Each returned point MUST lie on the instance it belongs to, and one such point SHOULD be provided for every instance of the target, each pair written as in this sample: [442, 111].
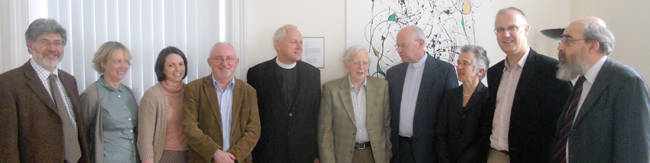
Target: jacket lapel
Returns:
[237, 98]
[526, 76]
[600, 83]
[72, 92]
[371, 97]
[399, 79]
[37, 86]
[303, 84]
[210, 90]
[478, 93]
[346, 98]
[426, 82]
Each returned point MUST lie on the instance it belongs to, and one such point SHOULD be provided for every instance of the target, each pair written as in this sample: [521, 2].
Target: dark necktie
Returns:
[559, 155]
[71, 143]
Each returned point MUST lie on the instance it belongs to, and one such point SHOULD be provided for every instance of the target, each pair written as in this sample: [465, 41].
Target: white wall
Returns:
[314, 18]
[629, 20]
[326, 18]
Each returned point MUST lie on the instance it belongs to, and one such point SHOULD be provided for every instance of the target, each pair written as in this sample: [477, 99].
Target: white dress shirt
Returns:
[505, 98]
[359, 104]
[410, 96]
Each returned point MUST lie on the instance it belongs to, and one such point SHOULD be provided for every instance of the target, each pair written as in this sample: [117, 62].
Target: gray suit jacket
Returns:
[613, 124]
[337, 125]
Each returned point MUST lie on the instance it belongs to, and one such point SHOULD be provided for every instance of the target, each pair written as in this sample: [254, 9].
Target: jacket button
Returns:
[290, 114]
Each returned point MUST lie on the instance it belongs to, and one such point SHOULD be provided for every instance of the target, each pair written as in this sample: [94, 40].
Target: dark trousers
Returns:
[406, 150]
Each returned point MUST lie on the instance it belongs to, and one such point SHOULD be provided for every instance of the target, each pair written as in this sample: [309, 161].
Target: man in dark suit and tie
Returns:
[416, 87]
[607, 117]
[525, 96]
[288, 94]
[40, 112]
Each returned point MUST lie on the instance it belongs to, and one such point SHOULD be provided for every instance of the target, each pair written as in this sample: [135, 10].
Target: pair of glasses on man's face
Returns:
[359, 63]
[227, 59]
[510, 29]
[56, 43]
[568, 40]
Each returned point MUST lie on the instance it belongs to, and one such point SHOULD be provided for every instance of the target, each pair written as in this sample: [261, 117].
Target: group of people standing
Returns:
[529, 113]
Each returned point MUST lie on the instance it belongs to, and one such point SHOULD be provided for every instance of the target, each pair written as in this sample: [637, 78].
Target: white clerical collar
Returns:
[591, 74]
[285, 66]
[421, 62]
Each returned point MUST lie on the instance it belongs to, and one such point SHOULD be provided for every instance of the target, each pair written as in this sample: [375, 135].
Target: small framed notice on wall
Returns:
[313, 51]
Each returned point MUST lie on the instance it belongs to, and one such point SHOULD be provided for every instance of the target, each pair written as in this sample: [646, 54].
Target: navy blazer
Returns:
[613, 124]
[288, 134]
[536, 106]
[464, 132]
[437, 77]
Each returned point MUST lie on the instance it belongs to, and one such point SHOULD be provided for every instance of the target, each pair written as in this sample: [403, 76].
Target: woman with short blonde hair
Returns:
[110, 109]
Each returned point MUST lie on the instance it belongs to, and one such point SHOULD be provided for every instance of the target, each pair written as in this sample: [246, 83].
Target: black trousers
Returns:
[406, 150]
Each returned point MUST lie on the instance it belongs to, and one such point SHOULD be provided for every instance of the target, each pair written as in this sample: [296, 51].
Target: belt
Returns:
[502, 151]
[406, 137]
[361, 145]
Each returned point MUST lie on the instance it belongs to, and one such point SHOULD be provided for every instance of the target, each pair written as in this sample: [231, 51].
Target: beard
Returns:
[567, 71]
[39, 57]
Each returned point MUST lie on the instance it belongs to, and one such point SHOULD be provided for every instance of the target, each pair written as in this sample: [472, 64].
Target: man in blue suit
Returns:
[607, 117]
[415, 90]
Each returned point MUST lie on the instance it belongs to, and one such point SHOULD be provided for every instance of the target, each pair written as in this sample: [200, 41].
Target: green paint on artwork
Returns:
[379, 69]
[463, 23]
[392, 17]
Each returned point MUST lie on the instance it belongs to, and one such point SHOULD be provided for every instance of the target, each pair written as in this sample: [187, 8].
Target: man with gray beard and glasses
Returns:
[606, 118]
[40, 111]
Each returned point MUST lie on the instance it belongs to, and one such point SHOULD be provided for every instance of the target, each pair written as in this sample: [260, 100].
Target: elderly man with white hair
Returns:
[354, 118]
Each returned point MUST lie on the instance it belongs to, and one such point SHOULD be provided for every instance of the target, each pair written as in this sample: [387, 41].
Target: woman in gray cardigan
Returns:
[109, 108]
[160, 117]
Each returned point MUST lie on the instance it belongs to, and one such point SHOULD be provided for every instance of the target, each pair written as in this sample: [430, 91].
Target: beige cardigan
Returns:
[152, 123]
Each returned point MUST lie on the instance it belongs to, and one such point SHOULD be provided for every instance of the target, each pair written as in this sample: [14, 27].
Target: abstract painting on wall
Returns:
[447, 24]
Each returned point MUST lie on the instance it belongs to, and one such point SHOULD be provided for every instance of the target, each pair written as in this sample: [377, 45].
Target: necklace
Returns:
[466, 94]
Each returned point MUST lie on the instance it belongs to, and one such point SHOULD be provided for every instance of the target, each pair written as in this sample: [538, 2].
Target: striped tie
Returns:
[560, 147]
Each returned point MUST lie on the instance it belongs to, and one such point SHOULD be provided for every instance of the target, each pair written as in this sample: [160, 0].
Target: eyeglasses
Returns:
[512, 28]
[227, 59]
[120, 62]
[48, 43]
[405, 45]
[568, 41]
[359, 63]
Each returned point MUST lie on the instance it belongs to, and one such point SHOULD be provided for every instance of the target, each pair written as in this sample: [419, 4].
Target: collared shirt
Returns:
[119, 119]
[44, 75]
[590, 77]
[225, 104]
[505, 97]
[359, 104]
[410, 96]
[285, 66]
